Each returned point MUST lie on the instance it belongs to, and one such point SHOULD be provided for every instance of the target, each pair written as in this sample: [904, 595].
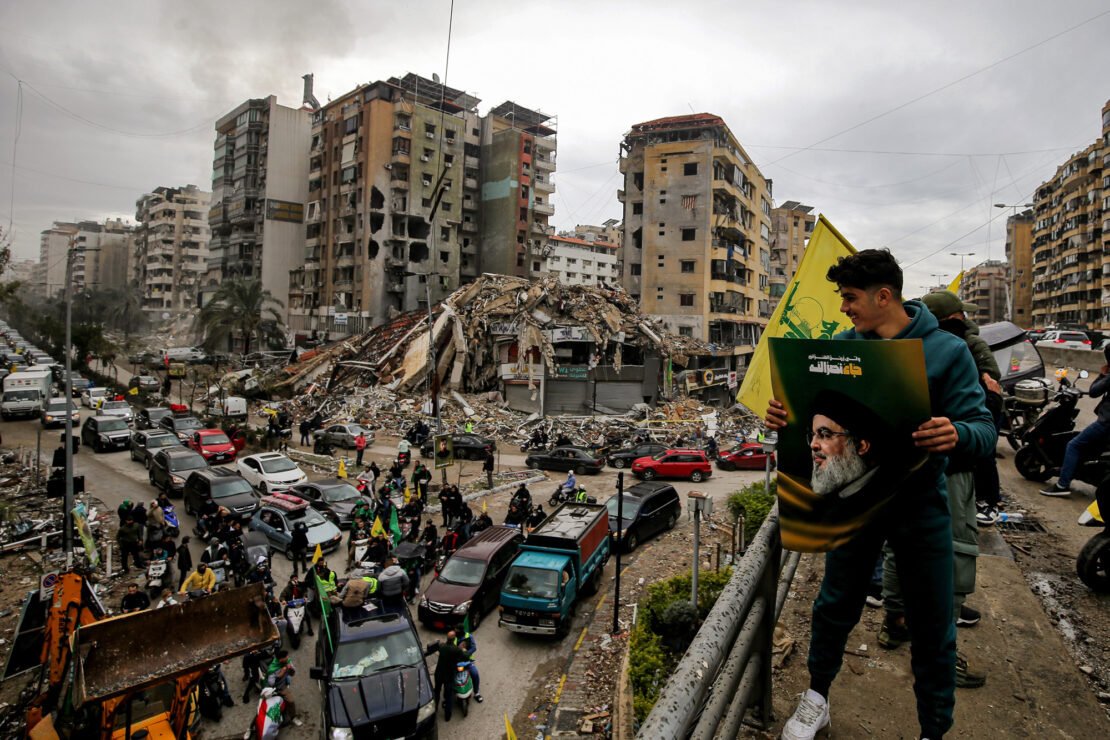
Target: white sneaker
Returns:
[811, 716]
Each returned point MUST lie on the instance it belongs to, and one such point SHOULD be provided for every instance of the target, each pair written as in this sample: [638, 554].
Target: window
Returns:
[535, 266]
[350, 126]
[571, 261]
[688, 265]
[689, 235]
[685, 331]
[637, 209]
[686, 299]
[690, 168]
[634, 269]
[429, 129]
[445, 233]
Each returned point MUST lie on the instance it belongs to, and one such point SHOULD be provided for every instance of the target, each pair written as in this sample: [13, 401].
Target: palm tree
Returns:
[239, 309]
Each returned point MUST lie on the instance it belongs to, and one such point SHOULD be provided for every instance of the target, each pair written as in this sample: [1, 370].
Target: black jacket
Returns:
[299, 539]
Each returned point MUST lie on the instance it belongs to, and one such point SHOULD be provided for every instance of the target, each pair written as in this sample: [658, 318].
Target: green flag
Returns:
[394, 526]
[325, 603]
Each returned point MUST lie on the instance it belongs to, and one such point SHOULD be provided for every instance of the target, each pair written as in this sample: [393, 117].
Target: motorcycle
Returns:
[562, 495]
[295, 621]
[155, 577]
[1093, 563]
[519, 512]
[464, 686]
[1042, 451]
[404, 458]
[172, 524]
[1020, 410]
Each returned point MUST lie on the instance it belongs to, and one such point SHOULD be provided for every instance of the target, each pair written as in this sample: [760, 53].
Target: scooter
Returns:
[562, 495]
[518, 513]
[1093, 563]
[464, 686]
[295, 621]
[1042, 450]
[155, 575]
[172, 525]
[404, 458]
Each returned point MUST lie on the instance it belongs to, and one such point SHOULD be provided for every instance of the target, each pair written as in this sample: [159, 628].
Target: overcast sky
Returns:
[121, 97]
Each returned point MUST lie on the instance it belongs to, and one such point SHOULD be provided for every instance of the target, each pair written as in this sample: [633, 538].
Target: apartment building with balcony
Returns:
[697, 230]
[791, 225]
[259, 191]
[575, 260]
[171, 247]
[518, 152]
[101, 256]
[1071, 274]
[986, 285]
[401, 204]
[50, 277]
[1019, 257]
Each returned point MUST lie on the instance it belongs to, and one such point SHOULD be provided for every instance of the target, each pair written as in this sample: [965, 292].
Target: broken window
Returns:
[444, 256]
[445, 233]
[535, 266]
[638, 180]
[685, 331]
[377, 200]
[689, 235]
[634, 268]
[688, 265]
[690, 168]
[637, 209]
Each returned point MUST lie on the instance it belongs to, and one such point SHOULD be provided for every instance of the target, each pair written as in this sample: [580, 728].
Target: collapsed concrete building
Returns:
[547, 347]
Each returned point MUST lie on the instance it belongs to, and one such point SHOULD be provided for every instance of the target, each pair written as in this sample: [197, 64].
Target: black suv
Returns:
[648, 508]
[182, 426]
[226, 487]
[104, 433]
[171, 466]
[145, 442]
[625, 457]
[151, 418]
[375, 682]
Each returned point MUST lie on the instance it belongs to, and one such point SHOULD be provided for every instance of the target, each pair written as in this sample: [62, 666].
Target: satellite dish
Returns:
[165, 315]
[435, 78]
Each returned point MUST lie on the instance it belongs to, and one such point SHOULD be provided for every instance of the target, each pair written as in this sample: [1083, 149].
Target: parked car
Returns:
[92, 397]
[278, 513]
[214, 445]
[343, 435]
[680, 463]
[748, 456]
[270, 471]
[647, 509]
[564, 458]
[120, 409]
[625, 457]
[54, 412]
[104, 433]
[169, 467]
[151, 418]
[467, 446]
[373, 677]
[146, 383]
[335, 497]
[470, 582]
[182, 426]
[226, 487]
[145, 442]
[1065, 339]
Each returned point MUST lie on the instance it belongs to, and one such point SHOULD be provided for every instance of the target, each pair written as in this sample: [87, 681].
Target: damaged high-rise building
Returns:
[411, 193]
[697, 230]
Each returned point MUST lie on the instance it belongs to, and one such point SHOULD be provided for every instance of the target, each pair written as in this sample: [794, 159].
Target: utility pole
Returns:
[67, 501]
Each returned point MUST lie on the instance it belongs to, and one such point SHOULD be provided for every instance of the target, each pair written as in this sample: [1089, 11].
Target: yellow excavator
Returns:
[135, 675]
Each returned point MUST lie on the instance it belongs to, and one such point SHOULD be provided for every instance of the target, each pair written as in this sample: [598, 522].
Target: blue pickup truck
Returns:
[561, 561]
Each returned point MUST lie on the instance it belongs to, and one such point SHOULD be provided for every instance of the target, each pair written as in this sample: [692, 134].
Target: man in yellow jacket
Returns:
[200, 579]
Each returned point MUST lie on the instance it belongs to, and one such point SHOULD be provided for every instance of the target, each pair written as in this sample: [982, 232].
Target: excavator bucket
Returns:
[121, 656]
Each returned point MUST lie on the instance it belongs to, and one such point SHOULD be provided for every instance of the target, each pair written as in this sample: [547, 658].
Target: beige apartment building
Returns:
[697, 230]
[1019, 256]
[171, 247]
[1071, 272]
[102, 254]
[791, 225]
[985, 285]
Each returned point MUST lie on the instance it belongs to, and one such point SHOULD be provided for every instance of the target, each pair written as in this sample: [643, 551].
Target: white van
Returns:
[182, 354]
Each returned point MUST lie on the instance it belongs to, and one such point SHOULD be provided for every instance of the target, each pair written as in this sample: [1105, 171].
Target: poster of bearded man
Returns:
[847, 448]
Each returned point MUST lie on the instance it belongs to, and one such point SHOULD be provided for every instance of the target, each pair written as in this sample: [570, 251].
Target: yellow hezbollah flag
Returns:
[810, 309]
[955, 284]
[342, 472]
[483, 506]
[317, 555]
[133, 392]
[377, 530]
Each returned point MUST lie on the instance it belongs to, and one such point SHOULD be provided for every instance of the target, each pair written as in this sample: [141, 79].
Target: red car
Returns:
[690, 464]
[214, 446]
[748, 456]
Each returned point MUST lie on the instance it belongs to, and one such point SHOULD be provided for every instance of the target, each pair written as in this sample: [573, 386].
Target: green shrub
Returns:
[754, 503]
[650, 661]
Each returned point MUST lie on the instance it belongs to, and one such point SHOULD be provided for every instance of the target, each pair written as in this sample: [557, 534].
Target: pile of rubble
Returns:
[467, 328]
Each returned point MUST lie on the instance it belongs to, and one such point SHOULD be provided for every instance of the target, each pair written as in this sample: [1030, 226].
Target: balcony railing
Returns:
[545, 208]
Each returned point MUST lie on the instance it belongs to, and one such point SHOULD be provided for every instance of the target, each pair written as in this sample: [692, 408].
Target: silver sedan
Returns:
[343, 435]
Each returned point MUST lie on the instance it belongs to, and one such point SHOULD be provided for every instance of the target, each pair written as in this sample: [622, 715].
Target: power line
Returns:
[112, 129]
[24, 168]
[907, 153]
[15, 150]
[934, 91]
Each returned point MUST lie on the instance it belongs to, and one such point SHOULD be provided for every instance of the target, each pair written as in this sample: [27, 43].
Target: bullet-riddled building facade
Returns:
[697, 230]
[171, 247]
[791, 225]
[1019, 257]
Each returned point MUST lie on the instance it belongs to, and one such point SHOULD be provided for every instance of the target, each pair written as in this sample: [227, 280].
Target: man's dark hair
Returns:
[871, 268]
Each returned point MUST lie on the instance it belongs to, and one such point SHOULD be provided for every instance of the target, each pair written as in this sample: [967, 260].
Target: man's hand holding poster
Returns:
[852, 407]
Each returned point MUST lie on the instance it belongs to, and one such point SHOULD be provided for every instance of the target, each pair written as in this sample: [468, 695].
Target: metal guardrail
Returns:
[729, 661]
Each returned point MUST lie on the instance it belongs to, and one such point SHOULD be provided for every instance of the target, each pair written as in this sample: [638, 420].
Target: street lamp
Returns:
[961, 255]
[431, 360]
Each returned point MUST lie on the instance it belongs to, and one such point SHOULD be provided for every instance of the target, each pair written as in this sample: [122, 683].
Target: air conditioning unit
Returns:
[429, 134]
[448, 164]
[424, 158]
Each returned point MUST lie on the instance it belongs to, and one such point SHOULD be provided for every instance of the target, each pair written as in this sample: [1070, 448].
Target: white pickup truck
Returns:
[24, 393]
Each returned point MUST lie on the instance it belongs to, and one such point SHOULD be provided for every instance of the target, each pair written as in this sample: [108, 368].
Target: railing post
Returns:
[770, 587]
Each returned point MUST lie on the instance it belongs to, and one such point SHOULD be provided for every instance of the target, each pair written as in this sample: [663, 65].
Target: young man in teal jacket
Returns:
[916, 522]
